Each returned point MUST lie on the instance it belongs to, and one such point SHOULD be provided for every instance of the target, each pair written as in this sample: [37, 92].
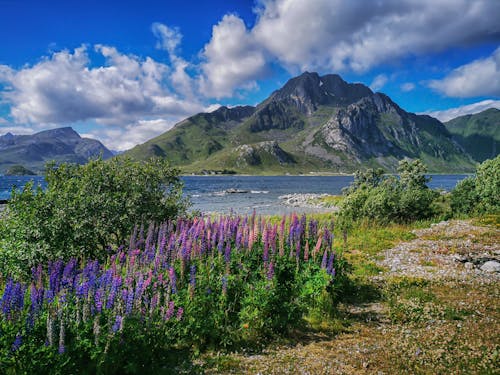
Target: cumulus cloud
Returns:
[64, 88]
[479, 78]
[356, 35]
[379, 82]
[328, 35]
[233, 59]
[407, 87]
[127, 136]
[451, 113]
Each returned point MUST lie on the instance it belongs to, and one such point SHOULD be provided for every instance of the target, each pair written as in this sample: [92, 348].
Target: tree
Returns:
[87, 208]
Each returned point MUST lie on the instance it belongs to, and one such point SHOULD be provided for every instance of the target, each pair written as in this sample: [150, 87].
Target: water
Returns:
[207, 193]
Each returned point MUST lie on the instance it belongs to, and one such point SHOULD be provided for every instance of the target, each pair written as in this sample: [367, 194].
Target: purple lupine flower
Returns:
[116, 284]
[227, 253]
[192, 277]
[99, 294]
[130, 302]
[329, 267]
[324, 260]
[173, 279]
[270, 271]
[68, 274]
[117, 326]
[7, 297]
[170, 310]
[18, 341]
[180, 312]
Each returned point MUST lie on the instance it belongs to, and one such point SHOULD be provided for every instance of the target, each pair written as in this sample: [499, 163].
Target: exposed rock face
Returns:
[254, 154]
[321, 122]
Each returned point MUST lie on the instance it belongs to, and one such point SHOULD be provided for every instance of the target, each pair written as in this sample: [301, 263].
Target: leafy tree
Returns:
[86, 208]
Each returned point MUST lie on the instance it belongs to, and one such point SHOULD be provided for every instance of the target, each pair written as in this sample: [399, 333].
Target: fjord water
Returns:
[208, 193]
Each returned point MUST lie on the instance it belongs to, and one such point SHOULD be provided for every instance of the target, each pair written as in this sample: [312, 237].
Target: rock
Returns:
[491, 266]
[469, 265]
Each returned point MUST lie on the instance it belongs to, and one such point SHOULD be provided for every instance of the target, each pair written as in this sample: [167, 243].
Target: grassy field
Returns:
[394, 322]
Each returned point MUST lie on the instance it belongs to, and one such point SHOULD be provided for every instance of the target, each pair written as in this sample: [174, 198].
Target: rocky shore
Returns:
[309, 200]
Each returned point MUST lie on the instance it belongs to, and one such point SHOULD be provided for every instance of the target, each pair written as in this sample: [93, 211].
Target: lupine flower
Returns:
[173, 279]
[117, 326]
[325, 257]
[270, 271]
[17, 343]
[170, 310]
[180, 312]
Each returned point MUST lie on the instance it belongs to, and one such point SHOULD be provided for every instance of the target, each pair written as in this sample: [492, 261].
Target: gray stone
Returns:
[491, 266]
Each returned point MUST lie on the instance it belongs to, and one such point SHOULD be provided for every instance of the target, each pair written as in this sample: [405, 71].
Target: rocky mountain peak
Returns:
[309, 90]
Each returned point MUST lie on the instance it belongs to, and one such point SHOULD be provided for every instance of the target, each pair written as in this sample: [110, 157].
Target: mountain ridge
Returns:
[324, 123]
[60, 144]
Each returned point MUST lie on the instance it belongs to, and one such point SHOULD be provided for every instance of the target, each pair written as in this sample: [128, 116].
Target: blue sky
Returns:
[126, 71]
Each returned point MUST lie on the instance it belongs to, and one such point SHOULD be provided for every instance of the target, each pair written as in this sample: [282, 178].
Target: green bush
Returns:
[479, 194]
[382, 198]
[84, 209]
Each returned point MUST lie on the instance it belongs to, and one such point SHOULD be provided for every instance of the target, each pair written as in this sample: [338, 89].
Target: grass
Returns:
[391, 325]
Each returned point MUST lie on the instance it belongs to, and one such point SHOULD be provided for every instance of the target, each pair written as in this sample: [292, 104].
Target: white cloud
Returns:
[448, 114]
[64, 88]
[122, 138]
[357, 35]
[233, 59]
[379, 82]
[479, 78]
[407, 87]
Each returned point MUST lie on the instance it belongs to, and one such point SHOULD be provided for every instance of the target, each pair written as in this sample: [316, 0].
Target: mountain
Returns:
[478, 134]
[313, 123]
[61, 145]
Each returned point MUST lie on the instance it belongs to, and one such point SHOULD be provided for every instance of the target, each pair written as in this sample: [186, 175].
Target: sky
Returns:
[126, 71]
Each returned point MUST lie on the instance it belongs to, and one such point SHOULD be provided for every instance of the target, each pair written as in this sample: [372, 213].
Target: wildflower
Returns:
[324, 260]
[17, 343]
[170, 310]
[173, 279]
[245, 325]
[117, 326]
[180, 312]
[270, 271]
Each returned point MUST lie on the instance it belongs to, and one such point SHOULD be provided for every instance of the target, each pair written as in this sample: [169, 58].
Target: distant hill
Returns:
[478, 134]
[313, 123]
[61, 145]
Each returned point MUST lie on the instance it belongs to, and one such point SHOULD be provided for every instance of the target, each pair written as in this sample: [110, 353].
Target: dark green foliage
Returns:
[19, 170]
[85, 209]
[479, 194]
[385, 199]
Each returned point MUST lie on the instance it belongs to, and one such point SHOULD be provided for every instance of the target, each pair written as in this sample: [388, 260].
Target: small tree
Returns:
[479, 194]
[386, 198]
[86, 208]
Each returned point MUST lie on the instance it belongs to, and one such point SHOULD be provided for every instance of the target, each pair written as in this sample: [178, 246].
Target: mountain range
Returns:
[313, 123]
[61, 145]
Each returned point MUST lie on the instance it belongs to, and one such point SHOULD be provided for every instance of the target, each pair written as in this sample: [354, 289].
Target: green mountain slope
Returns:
[478, 134]
[321, 123]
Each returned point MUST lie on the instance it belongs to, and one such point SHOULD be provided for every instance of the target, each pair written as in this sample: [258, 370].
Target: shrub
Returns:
[479, 194]
[85, 208]
[386, 198]
[188, 284]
